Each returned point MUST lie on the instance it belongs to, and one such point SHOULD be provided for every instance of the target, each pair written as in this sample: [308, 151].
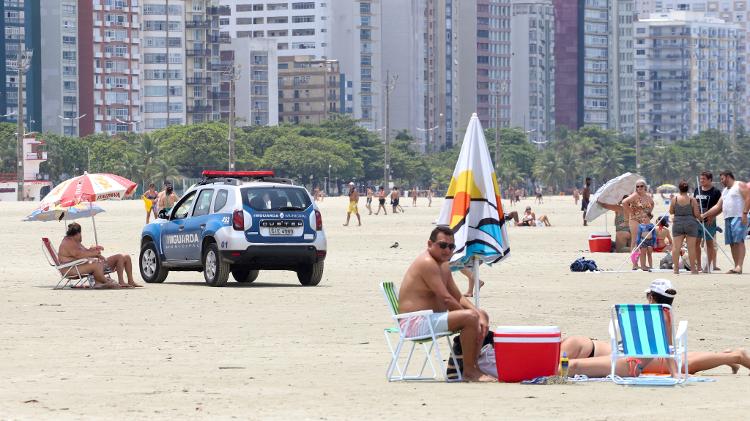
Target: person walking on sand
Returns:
[429, 197]
[708, 196]
[394, 200]
[576, 195]
[381, 201]
[353, 200]
[585, 202]
[429, 285]
[735, 204]
[413, 195]
[368, 202]
[150, 195]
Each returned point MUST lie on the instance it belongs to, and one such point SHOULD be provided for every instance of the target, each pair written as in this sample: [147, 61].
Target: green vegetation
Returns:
[353, 153]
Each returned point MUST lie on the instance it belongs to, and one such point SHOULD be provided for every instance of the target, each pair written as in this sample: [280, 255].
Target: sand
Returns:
[276, 350]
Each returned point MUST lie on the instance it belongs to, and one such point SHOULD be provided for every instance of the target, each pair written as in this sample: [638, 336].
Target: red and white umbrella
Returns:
[90, 188]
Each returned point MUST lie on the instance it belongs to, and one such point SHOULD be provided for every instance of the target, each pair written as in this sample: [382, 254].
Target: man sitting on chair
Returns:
[71, 248]
[428, 285]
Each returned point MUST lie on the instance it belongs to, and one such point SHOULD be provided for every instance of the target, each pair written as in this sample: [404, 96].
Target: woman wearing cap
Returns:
[593, 357]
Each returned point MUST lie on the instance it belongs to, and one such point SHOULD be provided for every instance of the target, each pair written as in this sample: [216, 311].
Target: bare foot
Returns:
[134, 285]
[478, 377]
[123, 285]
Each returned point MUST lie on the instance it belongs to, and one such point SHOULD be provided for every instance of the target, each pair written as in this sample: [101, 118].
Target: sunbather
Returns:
[593, 357]
[428, 285]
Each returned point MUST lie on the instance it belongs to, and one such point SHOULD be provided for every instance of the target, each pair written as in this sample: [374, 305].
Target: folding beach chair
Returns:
[647, 331]
[390, 292]
[68, 272]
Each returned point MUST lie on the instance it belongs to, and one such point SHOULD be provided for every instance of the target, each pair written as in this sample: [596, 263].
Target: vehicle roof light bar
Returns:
[236, 174]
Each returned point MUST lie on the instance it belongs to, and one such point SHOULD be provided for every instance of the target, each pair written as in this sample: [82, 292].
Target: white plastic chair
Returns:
[69, 273]
[428, 342]
[647, 331]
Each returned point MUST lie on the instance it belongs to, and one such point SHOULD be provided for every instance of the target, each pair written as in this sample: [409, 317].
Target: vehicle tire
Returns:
[215, 269]
[244, 274]
[310, 275]
[150, 265]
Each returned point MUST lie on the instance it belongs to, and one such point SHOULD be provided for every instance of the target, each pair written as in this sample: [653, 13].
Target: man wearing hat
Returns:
[353, 200]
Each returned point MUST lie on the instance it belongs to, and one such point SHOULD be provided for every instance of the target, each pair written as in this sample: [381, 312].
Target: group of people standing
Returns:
[694, 223]
[158, 201]
[395, 201]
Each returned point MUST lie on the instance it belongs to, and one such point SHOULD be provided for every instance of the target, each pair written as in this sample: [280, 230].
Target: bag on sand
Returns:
[486, 360]
[450, 371]
[666, 261]
[583, 265]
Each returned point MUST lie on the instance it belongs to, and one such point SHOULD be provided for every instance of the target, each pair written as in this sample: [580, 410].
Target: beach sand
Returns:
[275, 350]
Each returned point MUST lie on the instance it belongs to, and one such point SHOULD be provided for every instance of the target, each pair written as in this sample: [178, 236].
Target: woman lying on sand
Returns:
[593, 358]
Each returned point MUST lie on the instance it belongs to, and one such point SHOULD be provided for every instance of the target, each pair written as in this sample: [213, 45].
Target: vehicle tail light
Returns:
[318, 221]
[238, 220]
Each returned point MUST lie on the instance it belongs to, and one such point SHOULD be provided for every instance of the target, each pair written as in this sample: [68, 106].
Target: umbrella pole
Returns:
[93, 222]
[475, 275]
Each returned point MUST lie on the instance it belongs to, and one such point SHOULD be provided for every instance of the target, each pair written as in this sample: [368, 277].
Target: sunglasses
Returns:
[443, 245]
[640, 187]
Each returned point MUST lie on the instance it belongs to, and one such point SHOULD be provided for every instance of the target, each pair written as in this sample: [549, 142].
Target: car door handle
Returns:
[182, 227]
[203, 226]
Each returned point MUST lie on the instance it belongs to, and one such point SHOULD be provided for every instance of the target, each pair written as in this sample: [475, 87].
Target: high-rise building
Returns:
[494, 62]
[59, 67]
[688, 69]
[109, 69]
[20, 25]
[202, 60]
[253, 66]
[621, 55]
[728, 10]
[533, 75]
[309, 90]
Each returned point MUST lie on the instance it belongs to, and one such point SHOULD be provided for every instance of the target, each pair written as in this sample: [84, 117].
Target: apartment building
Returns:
[20, 26]
[59, 67]
[109, 58]
[202, 60]
[688, 70]
[494, 62]
[533, 77]
[309, 89]
[250, 82]
[734, 11]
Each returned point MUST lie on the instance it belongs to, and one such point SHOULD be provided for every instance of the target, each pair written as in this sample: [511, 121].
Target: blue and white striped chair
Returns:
[647, 331]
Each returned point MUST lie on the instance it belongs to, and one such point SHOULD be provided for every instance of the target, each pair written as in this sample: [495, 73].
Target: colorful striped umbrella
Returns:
[58, 213]
[90, 188]
[472, 207]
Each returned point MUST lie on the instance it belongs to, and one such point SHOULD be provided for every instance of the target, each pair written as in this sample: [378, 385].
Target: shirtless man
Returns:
[167, 198]
[71, 248]
[586, 195]
[413, 195]
[353, 200]
[394, 199]
[368, 203]
[381, 201]
[428, 285]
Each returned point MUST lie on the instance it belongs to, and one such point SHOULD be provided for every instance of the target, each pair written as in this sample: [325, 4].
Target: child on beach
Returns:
[646, 240]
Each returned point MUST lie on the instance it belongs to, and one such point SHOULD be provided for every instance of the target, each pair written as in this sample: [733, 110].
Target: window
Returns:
[69, 40]
[303, 19]
[277, 6]
[364, 8]
[302, 32]
[244, 21]
[204, 202]
[221, 200]
[278, 19]
[69, 86]
[182, 209]
[303, 5]
[69, 55]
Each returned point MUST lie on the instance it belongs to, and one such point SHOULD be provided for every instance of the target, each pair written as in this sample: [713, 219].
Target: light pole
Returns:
[429, 135]
[390, 85]
[328, 180]
[496, 93]
[71, 119]
[22, 66]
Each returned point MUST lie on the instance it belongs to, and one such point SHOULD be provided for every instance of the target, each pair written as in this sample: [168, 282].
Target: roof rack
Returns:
[233, 177]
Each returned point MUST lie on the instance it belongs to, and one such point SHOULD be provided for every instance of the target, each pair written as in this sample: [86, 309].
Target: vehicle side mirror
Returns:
[163, 214]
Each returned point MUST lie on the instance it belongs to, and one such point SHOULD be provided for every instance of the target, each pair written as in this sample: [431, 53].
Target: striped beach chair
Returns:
[390, 292]
[647, 331]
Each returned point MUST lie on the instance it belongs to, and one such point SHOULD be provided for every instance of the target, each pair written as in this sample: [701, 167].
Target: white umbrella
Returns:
[611, 193]
[473, 209]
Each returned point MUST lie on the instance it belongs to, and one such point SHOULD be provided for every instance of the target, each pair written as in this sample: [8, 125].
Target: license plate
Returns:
[281, 231]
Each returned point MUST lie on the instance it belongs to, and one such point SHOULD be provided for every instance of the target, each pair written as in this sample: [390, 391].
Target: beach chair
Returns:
[647, 331]
[429, 342]
[68, 272]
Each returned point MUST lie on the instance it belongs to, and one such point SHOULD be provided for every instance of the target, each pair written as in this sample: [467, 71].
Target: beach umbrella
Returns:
[611, 193]
[473, 209]
[90, 188]
[47, 212]
[666, 188]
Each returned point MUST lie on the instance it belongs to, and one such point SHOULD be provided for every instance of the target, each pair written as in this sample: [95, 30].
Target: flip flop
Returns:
[733, 272]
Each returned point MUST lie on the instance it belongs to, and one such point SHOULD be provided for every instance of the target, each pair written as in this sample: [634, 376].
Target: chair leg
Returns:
[408, 360]
[439, 356]
[394, 362]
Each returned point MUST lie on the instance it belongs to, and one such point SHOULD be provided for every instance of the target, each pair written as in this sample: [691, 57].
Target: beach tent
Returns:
[473, 209]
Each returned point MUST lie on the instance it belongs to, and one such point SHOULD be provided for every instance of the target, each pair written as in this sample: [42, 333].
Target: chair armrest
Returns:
[413, 314]
[73, 263]
[681, 329]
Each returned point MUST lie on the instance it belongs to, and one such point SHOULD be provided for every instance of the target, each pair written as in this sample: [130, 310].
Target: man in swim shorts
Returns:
[429, 285]
[381, 201]
[353, 200]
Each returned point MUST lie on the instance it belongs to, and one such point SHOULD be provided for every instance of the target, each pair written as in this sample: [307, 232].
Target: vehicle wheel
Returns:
[150, 264]
[244, 274]
[310, 275]
[215, 269]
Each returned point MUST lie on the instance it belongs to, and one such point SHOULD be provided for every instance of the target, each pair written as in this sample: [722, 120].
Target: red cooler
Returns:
[600, 242]
[525, 352]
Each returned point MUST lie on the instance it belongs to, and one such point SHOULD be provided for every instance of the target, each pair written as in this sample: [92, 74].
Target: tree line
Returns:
[304, 153]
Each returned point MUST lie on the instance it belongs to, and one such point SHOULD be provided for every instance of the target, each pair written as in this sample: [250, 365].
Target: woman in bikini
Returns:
[593, 357]
[639, 204]
[622, 228]
[663, 237]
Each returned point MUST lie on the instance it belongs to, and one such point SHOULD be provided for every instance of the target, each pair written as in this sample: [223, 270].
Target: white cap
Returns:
[660, 286]
[351, 183]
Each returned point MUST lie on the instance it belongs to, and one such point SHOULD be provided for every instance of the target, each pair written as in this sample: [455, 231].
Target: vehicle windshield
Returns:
[276, 198]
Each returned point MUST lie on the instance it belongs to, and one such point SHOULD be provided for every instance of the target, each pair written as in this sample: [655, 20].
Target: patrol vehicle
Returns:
[237, 222]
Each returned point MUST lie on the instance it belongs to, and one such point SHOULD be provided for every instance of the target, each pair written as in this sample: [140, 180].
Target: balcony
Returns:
[197, 24]
[200, 109]
[198, 53]
[218, 95]
[198, 80]
[31, 156]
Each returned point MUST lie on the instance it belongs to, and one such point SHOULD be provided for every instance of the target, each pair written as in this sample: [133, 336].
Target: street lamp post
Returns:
[496, 93]
[22, 65]
[390, 85]
[328, 180]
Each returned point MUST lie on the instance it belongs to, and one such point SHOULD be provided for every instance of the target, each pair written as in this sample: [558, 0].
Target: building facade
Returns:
[533, 64]
[688, 69]
[494, 62]
[309, 90]
[202, 61]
